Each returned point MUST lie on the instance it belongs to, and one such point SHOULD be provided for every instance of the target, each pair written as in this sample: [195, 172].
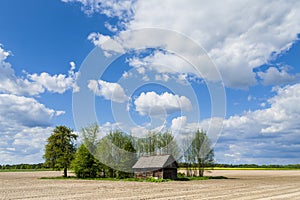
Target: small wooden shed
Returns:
[160, 166]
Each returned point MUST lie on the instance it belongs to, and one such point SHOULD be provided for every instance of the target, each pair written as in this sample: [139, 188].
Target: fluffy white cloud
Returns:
[275, 76]
[9, 83]
[25, 111]
[281, 117]
[178, 123]
[3, 54]
[23, 144]
[59, 83]
[25, 126]
[25, 123]
[238, 35]
[162, 63]
[152, 103]
[34, 84]
[266, 135]
[110, 91]
[106, 43]
[112, 8]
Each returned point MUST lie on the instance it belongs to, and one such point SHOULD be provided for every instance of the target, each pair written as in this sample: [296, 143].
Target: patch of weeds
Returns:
[156, 180]
[132, 179]
[183, 177]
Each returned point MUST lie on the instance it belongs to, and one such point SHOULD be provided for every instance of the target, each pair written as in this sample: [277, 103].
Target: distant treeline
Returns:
[41, 166]
[290, 166]
[23, 166]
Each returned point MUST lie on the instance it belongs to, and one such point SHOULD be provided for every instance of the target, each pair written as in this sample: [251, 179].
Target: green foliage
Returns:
[199, 153]
[85, 165]
[60, 149]
[155, 180]
[157, 143]
[89, 135]
[117, 151]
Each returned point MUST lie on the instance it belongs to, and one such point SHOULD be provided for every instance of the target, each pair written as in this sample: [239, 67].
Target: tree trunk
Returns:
[65, 172]
[201, 168]
[201, 172]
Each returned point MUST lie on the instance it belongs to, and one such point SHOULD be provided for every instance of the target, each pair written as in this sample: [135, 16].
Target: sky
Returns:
[230, 68]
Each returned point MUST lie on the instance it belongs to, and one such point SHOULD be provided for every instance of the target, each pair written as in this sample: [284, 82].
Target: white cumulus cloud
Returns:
[157, 104]
[268, 135]
[108, 90]
[59, 83]
[238, 35]
[34, 84]
[275, 76]
[25, 111]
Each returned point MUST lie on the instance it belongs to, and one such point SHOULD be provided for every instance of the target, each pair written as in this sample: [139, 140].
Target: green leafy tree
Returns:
[117, 151]
[89, 135]
[85, 165]
[200, 152]
[60, 149]
[157, 143]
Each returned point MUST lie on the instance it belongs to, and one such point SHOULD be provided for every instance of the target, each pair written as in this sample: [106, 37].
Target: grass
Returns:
[180, 177]
[183, 177]
[151, 179]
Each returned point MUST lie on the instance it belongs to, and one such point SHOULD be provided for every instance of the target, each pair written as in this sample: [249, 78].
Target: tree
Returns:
[200, 152]
[157, 143]
[89, 135]
[60, 148]
[85, 165]
[117, 152]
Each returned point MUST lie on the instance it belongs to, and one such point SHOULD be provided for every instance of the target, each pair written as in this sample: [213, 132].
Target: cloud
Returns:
[114, 8]
[267, 135]
[264, 136]
[22, 144]
[108, 44]
[26, 123]
[25, 126]
[25, 111]
[178, 123]
[59, 83]
[239, 36]
[166, 103]
[110, 91]
[3, 54]
[34, 84]
[162, 63]
[9, 83]
[275, 76]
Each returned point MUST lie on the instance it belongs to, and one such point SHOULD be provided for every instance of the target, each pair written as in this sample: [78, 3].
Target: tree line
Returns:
[115, 153]
[22, 166]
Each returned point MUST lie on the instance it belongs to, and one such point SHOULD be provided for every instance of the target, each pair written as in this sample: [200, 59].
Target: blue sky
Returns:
[231, 68]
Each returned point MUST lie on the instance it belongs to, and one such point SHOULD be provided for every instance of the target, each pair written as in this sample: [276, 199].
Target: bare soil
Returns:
[241, 185]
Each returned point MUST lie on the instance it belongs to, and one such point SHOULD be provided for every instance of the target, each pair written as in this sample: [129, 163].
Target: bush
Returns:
[84, 164]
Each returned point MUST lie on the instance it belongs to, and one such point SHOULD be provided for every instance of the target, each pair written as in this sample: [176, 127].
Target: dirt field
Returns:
[242, 185]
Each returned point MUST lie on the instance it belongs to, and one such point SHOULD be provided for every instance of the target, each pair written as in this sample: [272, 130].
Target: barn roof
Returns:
[159, 161]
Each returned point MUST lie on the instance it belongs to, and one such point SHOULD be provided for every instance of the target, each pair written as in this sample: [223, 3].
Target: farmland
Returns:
[241, 184]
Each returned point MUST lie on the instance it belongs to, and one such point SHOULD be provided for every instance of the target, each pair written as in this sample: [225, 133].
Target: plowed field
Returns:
[241, 185]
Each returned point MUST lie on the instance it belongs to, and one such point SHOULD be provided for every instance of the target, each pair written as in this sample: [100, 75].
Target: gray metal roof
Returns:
[159, 161]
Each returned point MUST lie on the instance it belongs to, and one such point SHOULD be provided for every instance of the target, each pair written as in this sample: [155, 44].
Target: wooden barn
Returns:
[160, 166]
